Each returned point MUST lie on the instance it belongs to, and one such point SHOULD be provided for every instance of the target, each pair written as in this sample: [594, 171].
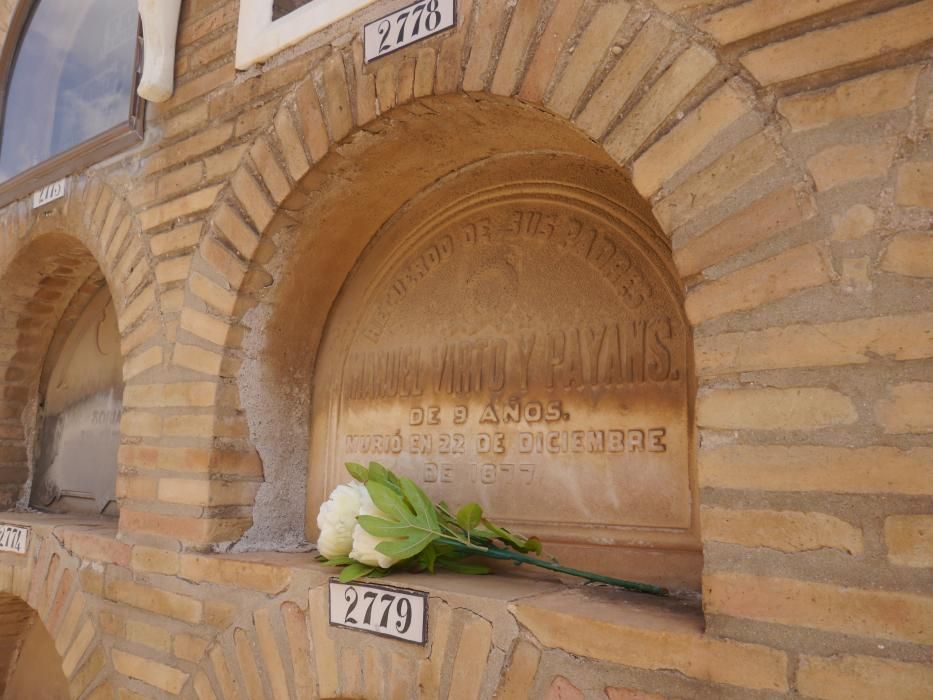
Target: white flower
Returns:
[337, 519]
[364, 544]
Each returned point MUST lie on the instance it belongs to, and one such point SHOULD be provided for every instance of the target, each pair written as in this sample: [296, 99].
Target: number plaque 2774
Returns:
[384, 610]
[406, 26]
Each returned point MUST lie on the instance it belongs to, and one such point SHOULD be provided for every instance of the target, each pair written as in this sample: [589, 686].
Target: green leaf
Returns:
[358, 472]
[533, 544]
[388, 501]
[379, 527]
[428, 557]
[408, 547]
[461, 568]
[339, 561]
[424, 509]
[355, 571]
[470, 516]
[378, 473]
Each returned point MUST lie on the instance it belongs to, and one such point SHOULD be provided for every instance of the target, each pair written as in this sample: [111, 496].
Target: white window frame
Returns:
[259, 38]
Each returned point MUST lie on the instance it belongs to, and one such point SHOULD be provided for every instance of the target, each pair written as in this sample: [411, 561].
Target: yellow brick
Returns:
[711, 186]
[827, 469]
[591, 49]
[140, 424]
[177, 208]
[802, 408]
[252, 198]
[591, 627]
[909, 254]
[515, 48]
[270, 172]
[908, 408]
[189, 647]
[520, 675]
[489, 18]
[86, 673]
[202, 686]
[549, 50]
[757, 16]
[624, 78]
[296, 629]
[858, 341]
[207, 492]
[237, 232]
[163, 677]
[903, 617]
[225, 262]
[786, 531]
[759, 284]
[909, 539]
[337, 101]
[138, 363]
[840, 165]
[271, 658]
[77, 649]
[760, 221]
[180, 180]
[246, 656]
[148, 635]
[174, 270]
[836, 46]
[197, 359]
[467, 676]
[687, 139]
[152, 559]
[863, 678]
[874, 94]
[915, 185]
[324, 649]
[690, 68]
[163, 395]
[221, 299]
[228, 684]
[154, 600]
[292, 149]
[244, 572]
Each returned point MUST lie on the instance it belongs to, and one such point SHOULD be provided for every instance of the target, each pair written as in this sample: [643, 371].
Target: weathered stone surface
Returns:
[749, 18]
[915, 184]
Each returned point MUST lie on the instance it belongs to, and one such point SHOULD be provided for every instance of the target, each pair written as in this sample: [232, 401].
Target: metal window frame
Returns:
[94, 149]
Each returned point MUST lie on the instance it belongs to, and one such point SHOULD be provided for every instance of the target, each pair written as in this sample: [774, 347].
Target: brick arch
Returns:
[86, 240]
[46, 583]
[695, 130]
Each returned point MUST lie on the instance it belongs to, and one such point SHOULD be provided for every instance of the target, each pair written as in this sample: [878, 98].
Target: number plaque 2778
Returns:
[384, 610]
[406, 26]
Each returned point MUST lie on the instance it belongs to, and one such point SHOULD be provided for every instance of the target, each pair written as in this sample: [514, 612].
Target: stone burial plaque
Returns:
[525, 348]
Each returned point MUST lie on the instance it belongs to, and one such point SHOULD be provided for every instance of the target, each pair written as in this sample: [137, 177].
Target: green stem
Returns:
[495, 553]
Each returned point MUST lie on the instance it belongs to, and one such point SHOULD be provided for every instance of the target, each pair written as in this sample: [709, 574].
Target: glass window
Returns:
[280, 8]
[72, 79]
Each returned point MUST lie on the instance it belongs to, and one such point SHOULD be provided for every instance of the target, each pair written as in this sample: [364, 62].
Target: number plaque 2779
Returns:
[406, 26]
[383, 610]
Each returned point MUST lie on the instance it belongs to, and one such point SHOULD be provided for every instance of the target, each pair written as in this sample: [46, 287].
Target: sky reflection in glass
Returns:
[72, 79]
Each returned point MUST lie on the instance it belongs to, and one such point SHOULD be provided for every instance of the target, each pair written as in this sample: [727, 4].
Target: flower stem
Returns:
[496, 553]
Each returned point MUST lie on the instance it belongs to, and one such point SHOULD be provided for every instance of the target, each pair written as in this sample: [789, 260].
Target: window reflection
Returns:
[72, 79]
[280, 8]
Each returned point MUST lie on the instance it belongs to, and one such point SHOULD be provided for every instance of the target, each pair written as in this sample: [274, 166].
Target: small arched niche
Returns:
[482, 302]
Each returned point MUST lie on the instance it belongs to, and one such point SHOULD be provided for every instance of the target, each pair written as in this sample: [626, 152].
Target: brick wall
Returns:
[785, 149]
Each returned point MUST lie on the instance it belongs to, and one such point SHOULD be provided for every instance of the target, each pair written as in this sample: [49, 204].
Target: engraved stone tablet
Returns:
[524, 348]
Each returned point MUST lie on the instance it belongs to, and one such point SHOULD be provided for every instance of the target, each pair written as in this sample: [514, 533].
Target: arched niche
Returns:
[400, 202]
[62, 364]
[30, 666]
[80, 395]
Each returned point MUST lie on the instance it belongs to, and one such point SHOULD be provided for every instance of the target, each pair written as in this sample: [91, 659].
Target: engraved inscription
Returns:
[527, 344]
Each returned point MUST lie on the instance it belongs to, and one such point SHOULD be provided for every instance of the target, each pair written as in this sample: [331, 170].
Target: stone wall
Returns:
[785, 150]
